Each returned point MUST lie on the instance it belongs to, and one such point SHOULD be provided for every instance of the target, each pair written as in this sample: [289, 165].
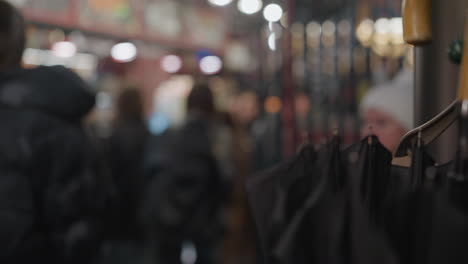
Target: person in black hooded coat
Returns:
[186, 199]
[46, 209]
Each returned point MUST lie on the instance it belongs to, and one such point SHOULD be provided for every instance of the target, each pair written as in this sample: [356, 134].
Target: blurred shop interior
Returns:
[308, 62]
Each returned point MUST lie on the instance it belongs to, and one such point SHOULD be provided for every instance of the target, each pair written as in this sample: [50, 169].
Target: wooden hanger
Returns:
[429, 130]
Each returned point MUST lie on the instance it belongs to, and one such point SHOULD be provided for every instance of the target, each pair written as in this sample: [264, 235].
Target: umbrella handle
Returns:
[417, 24]
[463, 77]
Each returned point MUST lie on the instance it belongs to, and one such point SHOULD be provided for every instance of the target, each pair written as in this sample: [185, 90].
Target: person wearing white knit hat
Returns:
[387, 110]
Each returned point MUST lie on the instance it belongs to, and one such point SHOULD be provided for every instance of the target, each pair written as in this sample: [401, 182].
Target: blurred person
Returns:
[245, 108]
[48, 194]
[259, 130]
[387, 110]
[186, 198]
[239, 245]
[302, 109]
[124, 152]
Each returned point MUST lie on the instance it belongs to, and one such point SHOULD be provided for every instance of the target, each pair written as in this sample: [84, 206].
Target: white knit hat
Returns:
[395, 98]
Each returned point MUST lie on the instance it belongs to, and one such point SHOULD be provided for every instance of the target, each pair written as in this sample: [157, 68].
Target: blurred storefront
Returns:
[114, 44]
[310, 62]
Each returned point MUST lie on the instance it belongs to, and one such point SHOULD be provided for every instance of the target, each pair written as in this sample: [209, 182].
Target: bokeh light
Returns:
[272, 41]
[249, 7]
[364, 32]
[344, 28]
[328, 28]
[211, 65]
[124, 52]
[171, 63]
[64, 49]
[273, 104]
[382, 26]
[273, 13]
[220, 2]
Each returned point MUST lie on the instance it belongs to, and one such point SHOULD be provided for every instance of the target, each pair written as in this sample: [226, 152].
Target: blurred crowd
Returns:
[69, 194]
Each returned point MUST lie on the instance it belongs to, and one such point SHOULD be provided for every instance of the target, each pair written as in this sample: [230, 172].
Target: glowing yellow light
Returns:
[273, 104]
[364, 32]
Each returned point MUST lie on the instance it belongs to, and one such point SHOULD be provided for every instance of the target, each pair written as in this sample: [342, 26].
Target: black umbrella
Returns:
[427, 220]
[459, 175]
[450, 205]
[292, 202]
[270, 198]
[312, 201]
[368, 167]
[408, 211]
[321, 207]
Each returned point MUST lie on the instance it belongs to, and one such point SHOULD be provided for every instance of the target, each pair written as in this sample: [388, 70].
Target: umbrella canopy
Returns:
[326, 200]
[427, 216]
[267, 193]
[368, 166]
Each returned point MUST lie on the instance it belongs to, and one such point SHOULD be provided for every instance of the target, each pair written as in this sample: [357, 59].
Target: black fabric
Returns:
[55, 196]
[368, 166]
[125, 153]
[409, 210]
[429, 224]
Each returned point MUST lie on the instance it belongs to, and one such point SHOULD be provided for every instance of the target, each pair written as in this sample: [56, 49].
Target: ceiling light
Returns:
[273, 12]
[64, 49]
[210, 64]
[220, 2]
[171, 63]
[249, 7]
[124, 52]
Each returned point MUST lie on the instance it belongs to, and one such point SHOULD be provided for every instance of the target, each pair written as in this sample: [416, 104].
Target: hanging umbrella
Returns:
[291, 204]
[321, 207]
[459, 176]
[427, 222]
[312, 202]
[450, 213]
[368, 168]
[410, 206]
[267, 194]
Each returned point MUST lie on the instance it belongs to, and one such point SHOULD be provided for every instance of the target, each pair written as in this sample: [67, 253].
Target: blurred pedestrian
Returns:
[240, 243]
[47, 190]
[387, 110]
[186, 199]
[124, 152]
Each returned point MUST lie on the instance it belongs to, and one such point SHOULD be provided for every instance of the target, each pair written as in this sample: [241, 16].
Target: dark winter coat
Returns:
[186, 197]
[126, 151]
[41, 136]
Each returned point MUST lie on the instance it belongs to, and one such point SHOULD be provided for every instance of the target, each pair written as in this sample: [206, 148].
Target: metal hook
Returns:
[369, 136]
[419, 142]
